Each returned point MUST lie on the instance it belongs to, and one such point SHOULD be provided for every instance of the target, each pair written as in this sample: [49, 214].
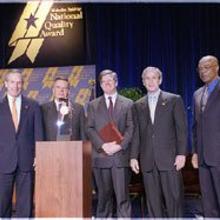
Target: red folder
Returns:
[111, 133]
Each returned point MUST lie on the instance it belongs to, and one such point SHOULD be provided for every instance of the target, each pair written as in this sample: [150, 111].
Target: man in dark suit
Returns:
[63, 120]
[206, 135]
[110, 159]
[160, 139]
[20, 128]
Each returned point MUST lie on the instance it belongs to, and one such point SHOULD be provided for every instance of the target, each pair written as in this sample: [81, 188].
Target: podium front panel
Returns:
[63, 179]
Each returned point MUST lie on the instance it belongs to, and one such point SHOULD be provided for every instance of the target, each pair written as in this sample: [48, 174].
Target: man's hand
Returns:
[134, 165]
[180, 161]
[194, 161]
[115, 148]
[111, 148]
[34, 164]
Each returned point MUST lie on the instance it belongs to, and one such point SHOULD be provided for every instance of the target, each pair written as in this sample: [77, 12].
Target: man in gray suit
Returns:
[206, 135]
[63, 120]
[160, 139]
[110, 159]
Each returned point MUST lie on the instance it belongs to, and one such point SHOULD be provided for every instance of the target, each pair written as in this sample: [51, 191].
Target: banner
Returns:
[42, 33]
[38, 82]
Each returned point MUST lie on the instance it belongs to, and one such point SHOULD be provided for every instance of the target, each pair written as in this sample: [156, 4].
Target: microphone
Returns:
[64, 100]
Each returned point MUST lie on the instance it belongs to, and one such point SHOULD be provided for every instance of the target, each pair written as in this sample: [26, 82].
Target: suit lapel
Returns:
[103, 108]
[213, 95]
[24, 109]
[117, 108]
[53, 111]
[160, 107]
[7, 114]
[146, 111]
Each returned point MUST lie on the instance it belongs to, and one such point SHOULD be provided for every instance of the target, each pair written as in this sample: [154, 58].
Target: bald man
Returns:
[206, 135]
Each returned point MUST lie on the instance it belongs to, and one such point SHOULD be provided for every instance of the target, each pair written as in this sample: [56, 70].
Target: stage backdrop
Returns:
[38, 82]
[41, 34]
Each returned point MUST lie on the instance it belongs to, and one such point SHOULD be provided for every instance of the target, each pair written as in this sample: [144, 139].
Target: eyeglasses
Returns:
[107, 81]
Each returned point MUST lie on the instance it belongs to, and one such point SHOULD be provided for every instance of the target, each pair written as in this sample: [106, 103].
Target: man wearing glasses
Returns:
[110, 128]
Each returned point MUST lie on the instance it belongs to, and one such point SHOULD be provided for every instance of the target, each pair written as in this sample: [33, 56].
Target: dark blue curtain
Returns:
[173, 37]
[129, 37]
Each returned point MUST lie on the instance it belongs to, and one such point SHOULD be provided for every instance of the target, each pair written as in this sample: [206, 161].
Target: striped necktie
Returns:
[204, 98]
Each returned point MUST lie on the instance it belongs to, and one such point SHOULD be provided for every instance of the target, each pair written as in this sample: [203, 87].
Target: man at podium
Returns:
[110, 128]
[63, 120]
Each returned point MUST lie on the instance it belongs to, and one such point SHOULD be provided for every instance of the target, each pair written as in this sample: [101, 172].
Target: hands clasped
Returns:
[111, 148]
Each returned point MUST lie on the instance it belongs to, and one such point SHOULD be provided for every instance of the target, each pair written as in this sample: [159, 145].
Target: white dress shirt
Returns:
[152, 103]
[114, 97]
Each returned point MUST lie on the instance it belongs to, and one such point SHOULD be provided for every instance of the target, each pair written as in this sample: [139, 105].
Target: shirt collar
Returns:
[114, 96]
[57, 103]
[212, 85]
[10, 98]
[154, 94]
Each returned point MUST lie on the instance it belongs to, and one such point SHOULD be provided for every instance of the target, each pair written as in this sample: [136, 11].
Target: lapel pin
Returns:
[164, 102]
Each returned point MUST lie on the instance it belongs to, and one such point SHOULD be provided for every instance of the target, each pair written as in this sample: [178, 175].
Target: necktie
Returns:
[110, 108]
[59, 114]
[152, 105]
[59, 107]
[204, 98]
[14, 113]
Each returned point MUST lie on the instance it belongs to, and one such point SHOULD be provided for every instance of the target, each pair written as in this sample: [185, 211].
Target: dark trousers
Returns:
[110, 181]
[210, 188]
[164, 193]
[23, 182]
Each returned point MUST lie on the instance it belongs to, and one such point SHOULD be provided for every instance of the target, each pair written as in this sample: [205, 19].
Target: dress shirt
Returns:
[58, 104]
[114, 97]
[152, 102]
[212, 85]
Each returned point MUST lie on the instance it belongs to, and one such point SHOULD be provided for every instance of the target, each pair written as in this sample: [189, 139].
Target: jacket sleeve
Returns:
[92, 133]
[135, 144]
[129, 128]
[38, 123]
[194, 128]
[181, 126]
[82, 122]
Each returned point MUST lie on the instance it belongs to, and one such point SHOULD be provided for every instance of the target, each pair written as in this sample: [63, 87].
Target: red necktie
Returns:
[110, 108]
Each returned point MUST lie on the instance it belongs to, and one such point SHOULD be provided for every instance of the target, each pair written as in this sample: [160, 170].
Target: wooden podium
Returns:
[63, 179]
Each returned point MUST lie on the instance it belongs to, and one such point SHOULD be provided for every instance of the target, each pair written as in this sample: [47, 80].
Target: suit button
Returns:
[153, 136]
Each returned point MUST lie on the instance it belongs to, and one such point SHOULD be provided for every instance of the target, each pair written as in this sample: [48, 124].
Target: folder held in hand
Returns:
[111, 133]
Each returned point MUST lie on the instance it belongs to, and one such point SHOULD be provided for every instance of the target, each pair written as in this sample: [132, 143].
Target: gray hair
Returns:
[108, 72]
[11, 72]
[152, 69]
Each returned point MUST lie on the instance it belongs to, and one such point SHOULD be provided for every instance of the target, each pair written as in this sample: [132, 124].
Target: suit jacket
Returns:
[74, 121]
[159, 143]
[17, 149]
[97, 118]
[206, 127]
